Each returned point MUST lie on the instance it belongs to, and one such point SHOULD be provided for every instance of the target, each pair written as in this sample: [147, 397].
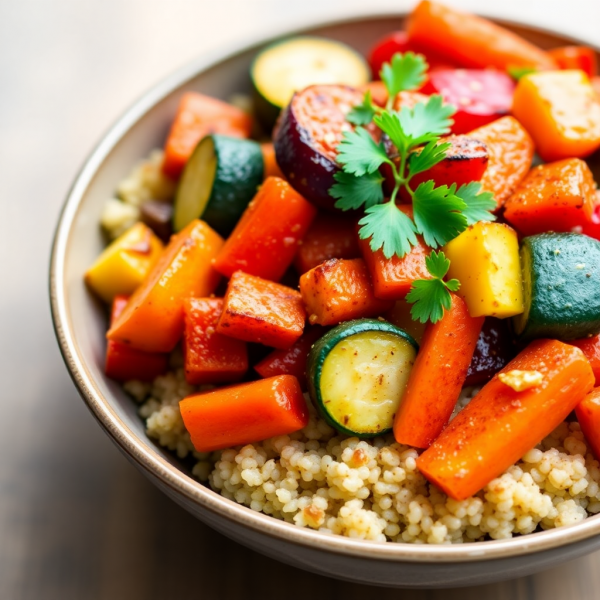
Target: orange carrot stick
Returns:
[245, 413]
[588, 415]
[437, 376]
[271, 167]
[500, 424]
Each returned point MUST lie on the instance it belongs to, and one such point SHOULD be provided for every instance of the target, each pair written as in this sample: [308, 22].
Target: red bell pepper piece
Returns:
[591, 348]
[593, 227]
[576, 57]
[588, 415]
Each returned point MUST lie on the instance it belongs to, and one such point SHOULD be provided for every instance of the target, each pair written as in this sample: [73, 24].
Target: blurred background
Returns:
[76, 520]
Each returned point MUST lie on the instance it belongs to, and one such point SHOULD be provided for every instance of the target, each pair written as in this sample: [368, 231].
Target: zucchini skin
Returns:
[561, 280]
[321, 349]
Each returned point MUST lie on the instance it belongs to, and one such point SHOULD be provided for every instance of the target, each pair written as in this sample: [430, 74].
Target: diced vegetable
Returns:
[257, 310]
[124, 264]
[199, 115]
[576, 57]
[553, 197]
[219, 180]
[292, 360]
[590, 346]
[267, 236]
[510, 151]
[340, 290]
[158, 215]
[244, 413]
[438, 376]
[561, 280]
[399, 315]
[561, 112]
[293, 64]
[588, 415]
[124, 363]
[500, 425]
[485, 259]
[592, 228]
[480, 95]
[210, 357]
[494, 350]
[471, 40]
[357, 374]
[271, 167]
[153, 318]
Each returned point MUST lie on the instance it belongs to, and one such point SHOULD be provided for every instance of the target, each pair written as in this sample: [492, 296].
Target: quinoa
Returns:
[372, 489]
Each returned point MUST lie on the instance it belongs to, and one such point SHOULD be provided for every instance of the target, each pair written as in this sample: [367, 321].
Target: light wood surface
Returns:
[77, 521]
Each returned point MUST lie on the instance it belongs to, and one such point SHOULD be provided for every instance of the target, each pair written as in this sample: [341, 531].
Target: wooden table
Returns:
[77, 521]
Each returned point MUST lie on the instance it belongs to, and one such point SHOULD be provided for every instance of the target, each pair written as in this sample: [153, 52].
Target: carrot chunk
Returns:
[437, 376]
[510, 151]
[153, 318]
[340, 290]
[553, 197]
[588, 415]
[271, 167]
[197, 116]
[124, 363]
[500, 424]
[576, 57]
[244, 413]
[471, 40]
[210, 357]
[591, 348]
[257, 310]
[267, 236]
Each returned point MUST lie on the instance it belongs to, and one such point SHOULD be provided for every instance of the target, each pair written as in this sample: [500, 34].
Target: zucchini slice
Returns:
[561, 287]
[218, 182]
[293, 64]
[357, 374]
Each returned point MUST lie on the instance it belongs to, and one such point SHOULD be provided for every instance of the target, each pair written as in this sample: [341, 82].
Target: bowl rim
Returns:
[140, 451]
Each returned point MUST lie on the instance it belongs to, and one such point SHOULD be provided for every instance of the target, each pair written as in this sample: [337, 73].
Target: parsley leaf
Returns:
[479, 204]
[437, 213]
[517, 72]
[362, 114]
[437, 264]
[404, 72]
[428, 157]
[426, 121]
[389, 123]
[359, 153]
[352, 192]
[389, 228]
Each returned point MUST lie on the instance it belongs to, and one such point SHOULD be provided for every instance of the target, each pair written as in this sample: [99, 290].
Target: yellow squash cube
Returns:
[125, 263]
[485, 259]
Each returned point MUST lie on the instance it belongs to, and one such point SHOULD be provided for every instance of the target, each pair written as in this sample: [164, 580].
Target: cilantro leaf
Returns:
[389, 228]
[428, 157]
[437, 264]
[453, 285]
[352, 192]
[389, 123]
[437, 213]
[479, 204]
[362, 114]
[429, 298]
[426, 120]
[517, 72]
[404, 72]
[359, 153]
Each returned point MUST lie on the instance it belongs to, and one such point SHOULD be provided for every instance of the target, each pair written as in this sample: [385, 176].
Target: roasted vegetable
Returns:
[158, 215]
[576, 57]
[588, 415]
[590, 346]
[399, 315]
[271, 167]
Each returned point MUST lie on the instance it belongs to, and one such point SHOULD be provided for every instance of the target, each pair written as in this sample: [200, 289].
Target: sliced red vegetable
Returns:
[199, 115]
[500, 424]
[592, 228]
[269, 232]
[576, 57]
[124, 363]
[329, 236]
[257, 310]
[588, 415]
[437, 376]
[591, 348]
[244, 413]
[210, 357]
[479, 95]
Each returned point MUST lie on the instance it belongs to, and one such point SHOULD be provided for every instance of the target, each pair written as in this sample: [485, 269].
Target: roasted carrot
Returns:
[153, 318]
[267, 236]
[210, 357]
[553, 197]
[591, 348]
[124, 363]
[500, 424]
[437, 376]
[588, 415]
[199, 115]
[576, 57]
[399, 315]
[244, 413]
[271, 167]
[329, 236]
[471, 40]
[340, 290]
[257, 310]
[561, 112]
[510, 152]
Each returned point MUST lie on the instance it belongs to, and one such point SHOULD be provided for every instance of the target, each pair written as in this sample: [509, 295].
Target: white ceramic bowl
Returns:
[80, 326]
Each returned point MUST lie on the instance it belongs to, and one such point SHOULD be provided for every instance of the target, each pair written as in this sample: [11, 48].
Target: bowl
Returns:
[80, 324]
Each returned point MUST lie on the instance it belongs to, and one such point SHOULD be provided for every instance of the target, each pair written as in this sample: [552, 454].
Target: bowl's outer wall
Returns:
[84, 323]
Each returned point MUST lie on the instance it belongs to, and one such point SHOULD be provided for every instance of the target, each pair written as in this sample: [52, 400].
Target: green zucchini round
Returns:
[293, 64]
[357, 373]
[218, 182]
